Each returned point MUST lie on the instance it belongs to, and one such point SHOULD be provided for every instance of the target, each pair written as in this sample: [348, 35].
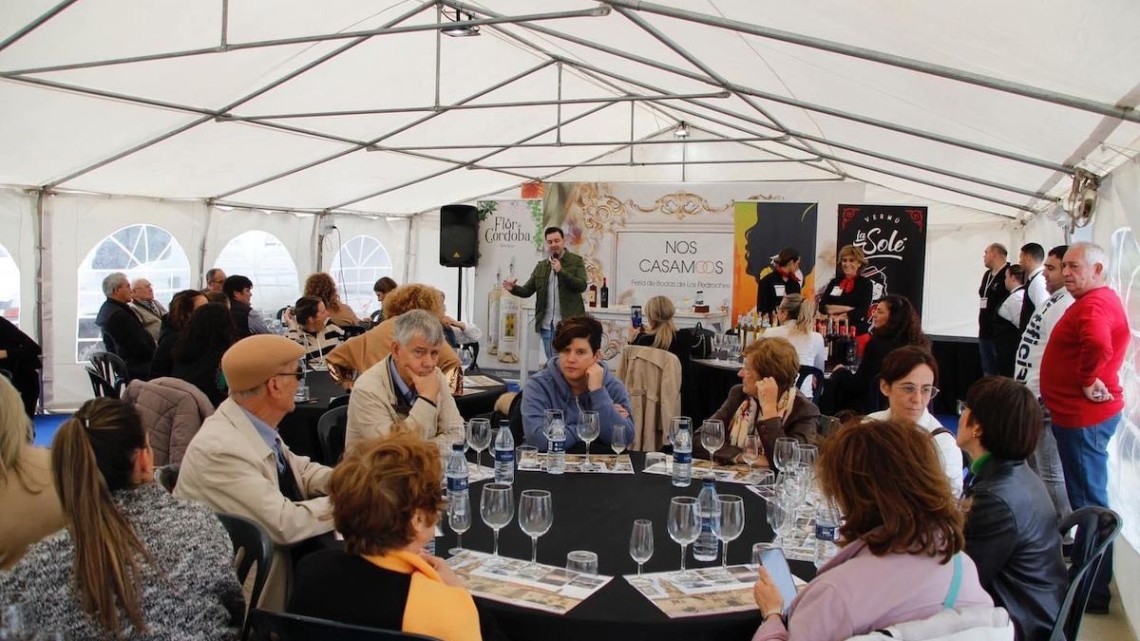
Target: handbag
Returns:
[702, 342]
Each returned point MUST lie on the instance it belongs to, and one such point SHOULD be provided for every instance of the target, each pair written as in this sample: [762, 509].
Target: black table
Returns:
[299, 428]
[596, 512]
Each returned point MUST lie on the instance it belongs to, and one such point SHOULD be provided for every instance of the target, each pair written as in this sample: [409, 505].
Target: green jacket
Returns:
[571, 284]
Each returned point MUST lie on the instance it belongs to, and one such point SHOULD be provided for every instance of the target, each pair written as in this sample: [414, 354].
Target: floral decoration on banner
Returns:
[681, 205]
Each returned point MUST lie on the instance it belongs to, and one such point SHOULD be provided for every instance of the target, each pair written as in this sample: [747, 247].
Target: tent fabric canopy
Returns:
[362, 106]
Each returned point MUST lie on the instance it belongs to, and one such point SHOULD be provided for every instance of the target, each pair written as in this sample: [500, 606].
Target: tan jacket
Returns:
[229, 468]
[359, 353]
[344, 316]
[172, 411]
[653, 378]
[372, 411]
[151, 321]
[31, 507]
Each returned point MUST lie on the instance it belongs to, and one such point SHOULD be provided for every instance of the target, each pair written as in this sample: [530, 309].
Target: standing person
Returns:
[322, 286]
[247, 322]
[1006, 333]
[1031, 259]
[123, 333]
[1081, 386]
[559, 282]
[215, 281]
[782, 280]
[848, 295]
[991, 294]
[1045, 460]
[144, 305]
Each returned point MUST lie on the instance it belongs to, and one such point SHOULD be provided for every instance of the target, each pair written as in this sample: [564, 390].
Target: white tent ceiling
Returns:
[244, 102]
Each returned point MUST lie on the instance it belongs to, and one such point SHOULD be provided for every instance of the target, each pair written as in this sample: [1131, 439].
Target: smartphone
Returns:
[635, 316]
[773, 560]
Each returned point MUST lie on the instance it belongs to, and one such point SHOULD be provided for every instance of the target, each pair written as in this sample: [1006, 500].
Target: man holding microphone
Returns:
[559, 282]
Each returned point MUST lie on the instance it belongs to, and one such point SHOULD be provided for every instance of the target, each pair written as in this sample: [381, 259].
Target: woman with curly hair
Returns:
[322, 286]
[198, 353]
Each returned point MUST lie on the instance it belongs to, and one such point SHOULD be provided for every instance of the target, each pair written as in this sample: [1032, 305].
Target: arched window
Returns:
[260, 257]
[9, 287]
[357, 266]
[139, 251]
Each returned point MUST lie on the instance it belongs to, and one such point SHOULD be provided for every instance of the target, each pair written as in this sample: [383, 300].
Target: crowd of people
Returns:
[1032, 447]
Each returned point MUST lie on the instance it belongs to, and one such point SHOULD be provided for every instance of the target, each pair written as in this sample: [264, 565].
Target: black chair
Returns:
[331, 430]
[817, 387]
[828, 425]
[353, 330]
[339, 401]
[167, 476]
[251, 545]
[474, 347]
[277, 626]
[108, 374]
[1097, 527]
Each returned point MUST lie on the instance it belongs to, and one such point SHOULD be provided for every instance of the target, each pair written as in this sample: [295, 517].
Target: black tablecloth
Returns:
[596, 512]
[299, 428]
[706, 388]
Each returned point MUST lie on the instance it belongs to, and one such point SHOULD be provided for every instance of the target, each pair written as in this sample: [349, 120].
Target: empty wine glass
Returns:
[712, 436]
[777, 516]
[641, 542]
[497, 507]
[479, 437]
[785, 455]
[589, 427]
[459, 518]
[684, 522]
[466, 358]
[677, 424]
[753, 447]
[536, 515]
[731, 522]
[619, 437]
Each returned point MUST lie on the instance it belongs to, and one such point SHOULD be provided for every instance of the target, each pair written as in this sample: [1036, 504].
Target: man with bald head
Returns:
[144, 305]
[215, 280]
[1080, 385]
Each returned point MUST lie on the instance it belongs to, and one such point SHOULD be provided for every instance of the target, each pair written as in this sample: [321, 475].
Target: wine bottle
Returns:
[605, 294]
[592, 295]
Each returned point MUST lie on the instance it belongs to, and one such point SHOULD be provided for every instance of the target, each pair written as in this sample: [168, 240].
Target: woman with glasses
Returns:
[908, 379]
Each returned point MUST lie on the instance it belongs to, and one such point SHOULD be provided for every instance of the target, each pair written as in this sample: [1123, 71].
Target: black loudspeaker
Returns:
[458, 236]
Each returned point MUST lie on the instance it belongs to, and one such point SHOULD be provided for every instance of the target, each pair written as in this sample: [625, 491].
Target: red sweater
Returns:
[1089, 342]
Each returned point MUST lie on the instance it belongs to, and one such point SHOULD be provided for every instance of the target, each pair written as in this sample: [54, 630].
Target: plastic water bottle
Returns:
[826, 532]
[504, 454]
[457, 473]
[682, 457]
[708, 506]
[556, 450]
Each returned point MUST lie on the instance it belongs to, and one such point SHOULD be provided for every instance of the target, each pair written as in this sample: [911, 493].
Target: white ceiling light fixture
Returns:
[682, 130]
[459, 30]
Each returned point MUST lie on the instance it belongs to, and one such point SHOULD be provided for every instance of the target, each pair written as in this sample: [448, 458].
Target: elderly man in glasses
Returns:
[237, 463]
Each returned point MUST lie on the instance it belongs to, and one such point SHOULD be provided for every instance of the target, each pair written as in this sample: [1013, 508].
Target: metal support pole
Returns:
[459, 295]
[225, 22]
[558, 116]
[656, 163]
[41, 221]
[600, 143]
[438, 51]
[632, 135]
[35, 24]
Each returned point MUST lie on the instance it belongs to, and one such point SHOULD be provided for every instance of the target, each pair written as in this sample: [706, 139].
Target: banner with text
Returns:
[762, 229]
[676, 264]
[510, 239]
[894, 241]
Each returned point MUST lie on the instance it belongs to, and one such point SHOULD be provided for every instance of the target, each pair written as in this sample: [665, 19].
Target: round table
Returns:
[596, 512]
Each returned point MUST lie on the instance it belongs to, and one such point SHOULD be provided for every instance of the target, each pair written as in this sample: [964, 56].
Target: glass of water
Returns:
[582, 561]
[684, 523]
[641, 542]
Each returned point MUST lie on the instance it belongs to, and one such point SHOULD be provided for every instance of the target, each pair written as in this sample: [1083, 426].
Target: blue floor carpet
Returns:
[46, 427]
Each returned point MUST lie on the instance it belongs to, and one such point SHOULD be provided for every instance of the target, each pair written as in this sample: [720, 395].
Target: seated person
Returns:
[309, 326]
[386, 499]
[182, 306]
[135, 563]
[574, 381]
[359, 353]
[406, 386]
[123, 334]
[908, 380]
[796, 318]
[21, 357]
[1011, 527]
[767, 402]
[901, 542]
[25, 482]
[198, 353]
[322, 286]
[660, 332]
[381, 288]
[458, 333]
[237, 463]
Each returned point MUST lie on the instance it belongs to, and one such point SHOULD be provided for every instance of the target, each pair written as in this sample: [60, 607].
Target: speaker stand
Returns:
[459, 311]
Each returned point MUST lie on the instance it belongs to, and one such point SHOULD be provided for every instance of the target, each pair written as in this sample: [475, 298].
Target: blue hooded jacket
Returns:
[548, 389]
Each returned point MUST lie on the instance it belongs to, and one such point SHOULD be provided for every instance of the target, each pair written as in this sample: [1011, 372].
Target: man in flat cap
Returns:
[237, 463]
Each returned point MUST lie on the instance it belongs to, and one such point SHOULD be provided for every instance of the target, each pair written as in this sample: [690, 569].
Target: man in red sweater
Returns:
[1080, 385]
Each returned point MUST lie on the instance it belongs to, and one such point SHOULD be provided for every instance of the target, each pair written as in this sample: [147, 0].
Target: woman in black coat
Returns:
[848, 295]
[181, 307]
[198, 353]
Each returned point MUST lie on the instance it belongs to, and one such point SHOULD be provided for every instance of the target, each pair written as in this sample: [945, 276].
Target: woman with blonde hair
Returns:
[796, 315]
[322, 286]
[848, 295]
[659, 330]
[25, 482]
[134, 563]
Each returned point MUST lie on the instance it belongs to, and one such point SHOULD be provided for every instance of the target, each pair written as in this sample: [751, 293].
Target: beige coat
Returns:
[172, 410]
[229, 468]
[360, 353]
[372, 411]
[653, 378]
[31, 507]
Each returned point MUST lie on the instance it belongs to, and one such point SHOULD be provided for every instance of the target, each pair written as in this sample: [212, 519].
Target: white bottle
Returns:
[556, 447]
[493, 300]
[504, 454]
[707, 545]
[682, 457]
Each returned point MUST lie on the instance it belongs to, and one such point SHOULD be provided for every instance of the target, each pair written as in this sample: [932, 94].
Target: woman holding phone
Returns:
[656, 328]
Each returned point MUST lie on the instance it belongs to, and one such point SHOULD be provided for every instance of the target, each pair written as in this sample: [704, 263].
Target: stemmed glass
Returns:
[778, 515]
[536, 515]
[459, 518]
[786, 453]
[619, 438]
[589, 427]
[479, 437]
[641, 542]
[753, 446]
[806, 456]
[466, 358]
[497, 507]
[731, 522]
[684, 523]
[712, 436]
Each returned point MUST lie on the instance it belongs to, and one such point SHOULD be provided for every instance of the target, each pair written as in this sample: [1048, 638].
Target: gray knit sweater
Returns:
[190, 592]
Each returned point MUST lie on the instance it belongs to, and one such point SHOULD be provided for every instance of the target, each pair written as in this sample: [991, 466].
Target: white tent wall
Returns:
[297, 232]
[18, 237]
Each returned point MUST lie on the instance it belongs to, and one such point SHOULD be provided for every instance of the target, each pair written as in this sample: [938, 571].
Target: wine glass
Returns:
[712, 436]
[588, 430]
[753, 447]
[466, 358]
[479, 436]
[459, 518]
[619, 437]
[785, 455]
[777, 516]
[731, 522]
[497, 507]
[684, 522]
[536, 515]
[806, 457]
[641, 542]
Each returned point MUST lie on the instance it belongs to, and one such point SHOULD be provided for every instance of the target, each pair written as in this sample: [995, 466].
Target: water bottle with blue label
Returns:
[556, 450]
[457, 473]
[708, 506]
[826, 532]
[504, 454]
[682, 456]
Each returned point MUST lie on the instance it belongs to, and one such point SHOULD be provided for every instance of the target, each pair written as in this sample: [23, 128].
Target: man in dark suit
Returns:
[991, 294]
[123, 333]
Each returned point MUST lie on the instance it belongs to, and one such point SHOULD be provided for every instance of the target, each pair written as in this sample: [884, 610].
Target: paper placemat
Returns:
[537, 586]
[700, 592]
[476, 380]
[601, 463]
[724, 473]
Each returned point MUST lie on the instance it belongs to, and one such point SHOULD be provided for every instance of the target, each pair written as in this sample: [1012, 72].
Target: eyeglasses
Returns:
[219, 282]
[297, 375]
[927, 391]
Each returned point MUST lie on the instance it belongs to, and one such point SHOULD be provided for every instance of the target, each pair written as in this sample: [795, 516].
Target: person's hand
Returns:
[426, 386]
[767, 595]
[633, 332]
[510, 284]
[621, 410]
[447, 320]
[838, 368]
[768, 393]
[1098, 392]
[595, 375]
[556, 264]
[446, 574]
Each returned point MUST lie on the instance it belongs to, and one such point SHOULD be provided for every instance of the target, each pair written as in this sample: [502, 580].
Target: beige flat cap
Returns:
[254, 360]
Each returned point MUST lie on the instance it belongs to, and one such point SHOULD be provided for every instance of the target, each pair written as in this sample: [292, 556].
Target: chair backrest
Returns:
[1096, 527]
[278, 626]
[816, 388]
[108, 373]
[252, 545]
[828, 425]
[167, 476]
[353, 330]
[339, 401]
[331, 430]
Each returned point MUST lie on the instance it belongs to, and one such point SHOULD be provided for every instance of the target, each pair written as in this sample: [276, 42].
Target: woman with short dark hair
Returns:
[198, 353]
[1011, 526]
[310, 328]
[782, 280]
